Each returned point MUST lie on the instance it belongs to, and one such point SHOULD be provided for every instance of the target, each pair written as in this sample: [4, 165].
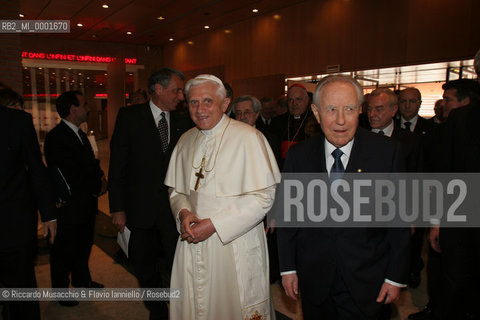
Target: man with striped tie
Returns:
[141, 146]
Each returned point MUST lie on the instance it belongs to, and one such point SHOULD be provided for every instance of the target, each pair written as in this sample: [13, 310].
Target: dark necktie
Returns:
[407, 125]
[163, 130]
[85, 141]
[337, 164]
[381, 133]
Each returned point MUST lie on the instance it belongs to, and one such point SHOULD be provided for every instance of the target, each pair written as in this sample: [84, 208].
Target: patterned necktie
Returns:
[407, 125]
[163, 130]
[337, 164]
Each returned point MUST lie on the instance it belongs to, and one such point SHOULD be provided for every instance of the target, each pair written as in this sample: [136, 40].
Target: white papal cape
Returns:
[225, 276]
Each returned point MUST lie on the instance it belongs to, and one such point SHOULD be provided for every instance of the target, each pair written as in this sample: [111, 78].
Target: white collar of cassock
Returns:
[329, 160]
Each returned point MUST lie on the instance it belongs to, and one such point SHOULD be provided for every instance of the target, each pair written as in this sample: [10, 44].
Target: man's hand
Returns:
[50, 227]
[119, 219]
[435, 238]
[388, 293]
[202, 230]
[187, 218]
[290, 283]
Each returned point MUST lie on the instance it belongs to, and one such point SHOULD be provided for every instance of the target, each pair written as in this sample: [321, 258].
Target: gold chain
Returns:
[202, 164]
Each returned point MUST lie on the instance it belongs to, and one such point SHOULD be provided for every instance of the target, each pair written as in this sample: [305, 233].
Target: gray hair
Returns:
[162, 77]
[393, 99]
[338, 78]
[204, 78]
[255, 102]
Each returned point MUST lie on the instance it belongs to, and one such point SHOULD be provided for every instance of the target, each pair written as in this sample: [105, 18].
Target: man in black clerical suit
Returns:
[267, 112]
[24, 187]
[343, 273]
[68, 149]
[141, 146]
[290, 127]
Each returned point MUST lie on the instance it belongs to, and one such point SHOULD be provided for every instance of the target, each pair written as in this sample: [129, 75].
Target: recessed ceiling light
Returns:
[129, 32]
[21, 15]
[40, 68]
[190, 42]
[160, 18]
[105, 6]
[206, 27]
[79, 25]
[255, 10]
[277, 17]
[227, 31]
[171, 39]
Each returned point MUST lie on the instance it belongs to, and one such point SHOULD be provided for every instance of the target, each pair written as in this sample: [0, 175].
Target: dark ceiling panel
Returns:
[183, 18]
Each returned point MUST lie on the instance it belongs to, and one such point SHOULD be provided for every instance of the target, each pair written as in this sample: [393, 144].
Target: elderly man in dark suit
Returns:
[381, 108]
[24, 187]
[141, 146]
[343, 273]
[68, 149]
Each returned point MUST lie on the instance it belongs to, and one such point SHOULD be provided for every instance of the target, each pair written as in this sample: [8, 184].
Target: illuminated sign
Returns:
[73, 57]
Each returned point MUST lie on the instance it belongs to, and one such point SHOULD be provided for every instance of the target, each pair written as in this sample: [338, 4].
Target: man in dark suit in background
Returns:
[68, 149]
[24, 187]
[459, 247]
[267, 112]
[141, 146]
[343, 273]
[382, 106]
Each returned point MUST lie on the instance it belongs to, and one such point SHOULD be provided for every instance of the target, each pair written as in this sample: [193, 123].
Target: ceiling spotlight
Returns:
[227, 31]
[105, 6]
[190, 42]
[277, 17]
[79, 25]
[21, 15]
[206, 27]
[160, 18]
[171, 39]
[255, 10]
[129, 32]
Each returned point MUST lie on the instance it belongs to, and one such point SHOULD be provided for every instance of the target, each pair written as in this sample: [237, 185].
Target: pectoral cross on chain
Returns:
[200, 174]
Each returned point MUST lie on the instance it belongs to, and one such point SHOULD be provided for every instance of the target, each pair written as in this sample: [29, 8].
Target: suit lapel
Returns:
[357, 156]
[149, 121]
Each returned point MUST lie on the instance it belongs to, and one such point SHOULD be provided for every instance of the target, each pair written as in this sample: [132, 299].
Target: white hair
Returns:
[204, 78]
[338, 78]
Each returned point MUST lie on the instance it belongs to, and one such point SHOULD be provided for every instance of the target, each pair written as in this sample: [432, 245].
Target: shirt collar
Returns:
[73, 127]
[388, 130]
[346, 149]
[156, 111]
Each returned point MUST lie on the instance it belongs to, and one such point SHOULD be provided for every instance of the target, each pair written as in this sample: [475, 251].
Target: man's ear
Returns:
[465, 101]
[226, 102]
[315, 112]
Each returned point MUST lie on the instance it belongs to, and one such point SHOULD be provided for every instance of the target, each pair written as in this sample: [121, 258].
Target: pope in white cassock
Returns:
[222, 178]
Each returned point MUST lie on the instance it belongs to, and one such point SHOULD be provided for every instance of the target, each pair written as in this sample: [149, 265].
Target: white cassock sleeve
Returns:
[243, 213]
[178, 201]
